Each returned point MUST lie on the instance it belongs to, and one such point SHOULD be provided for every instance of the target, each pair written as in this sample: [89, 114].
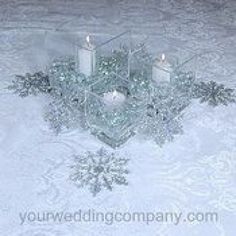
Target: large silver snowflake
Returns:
[99, 170]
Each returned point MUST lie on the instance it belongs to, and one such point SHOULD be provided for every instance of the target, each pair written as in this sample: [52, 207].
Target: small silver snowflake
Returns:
[30, 84]
[99, 170]
[215, 94]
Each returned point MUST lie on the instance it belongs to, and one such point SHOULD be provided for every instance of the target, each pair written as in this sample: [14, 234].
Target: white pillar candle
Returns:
[114, 98]
[86, 58]
[161, 70]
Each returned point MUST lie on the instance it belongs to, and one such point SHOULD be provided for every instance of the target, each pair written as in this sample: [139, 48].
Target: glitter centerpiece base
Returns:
[124, 66]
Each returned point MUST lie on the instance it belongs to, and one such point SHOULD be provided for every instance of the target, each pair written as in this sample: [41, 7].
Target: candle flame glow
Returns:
[163, 57]
[88, 39]
[114, 94]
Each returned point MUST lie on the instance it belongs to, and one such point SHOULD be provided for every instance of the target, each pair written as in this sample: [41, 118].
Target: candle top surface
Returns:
[114, 98]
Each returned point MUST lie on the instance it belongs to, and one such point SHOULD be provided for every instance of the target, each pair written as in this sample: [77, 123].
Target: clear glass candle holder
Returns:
[114, 121]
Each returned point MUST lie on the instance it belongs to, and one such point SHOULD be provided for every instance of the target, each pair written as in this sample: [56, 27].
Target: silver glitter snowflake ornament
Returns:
[163, 115]
[214, 94]
[99, 170]
[30, 84]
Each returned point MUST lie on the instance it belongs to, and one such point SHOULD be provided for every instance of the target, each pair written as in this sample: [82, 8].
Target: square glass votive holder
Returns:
[169, 58]
[103, 54]
[113, 109]
[113, 55]
[167, 70]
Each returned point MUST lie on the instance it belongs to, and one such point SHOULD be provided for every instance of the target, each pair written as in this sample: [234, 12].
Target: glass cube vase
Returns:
[114, 119]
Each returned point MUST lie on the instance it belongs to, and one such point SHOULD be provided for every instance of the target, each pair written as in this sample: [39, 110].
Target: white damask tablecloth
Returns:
[197, 172]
